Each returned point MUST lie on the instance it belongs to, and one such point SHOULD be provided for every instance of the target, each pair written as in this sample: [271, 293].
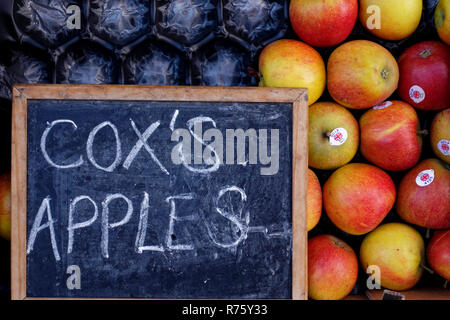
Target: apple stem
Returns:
[427, 235]
[445, 284]
[425, 53]
[426, 268]
[423, 132]
[253, 73]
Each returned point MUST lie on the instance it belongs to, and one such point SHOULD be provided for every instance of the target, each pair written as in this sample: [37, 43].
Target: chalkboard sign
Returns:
[158, 192]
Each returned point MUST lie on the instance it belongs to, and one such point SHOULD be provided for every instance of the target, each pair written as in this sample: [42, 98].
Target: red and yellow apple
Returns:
[423, 195]
[333, 136]
[424, 75]
[361, 74]
[291, 63]
[332, 268]
[323, 23]
[440, 135]
[313, 201]
[398, 251]
[357, 197]
[397, 19]
[390, 137]
[442, 20]
[5, 206]
[438, 253]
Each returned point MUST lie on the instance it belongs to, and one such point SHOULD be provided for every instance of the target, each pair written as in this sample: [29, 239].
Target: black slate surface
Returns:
[237, 245]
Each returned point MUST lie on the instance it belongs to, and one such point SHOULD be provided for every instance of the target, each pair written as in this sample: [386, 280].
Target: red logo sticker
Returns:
[338, 136]
[425, 177]
[444, 147]
[417, 94]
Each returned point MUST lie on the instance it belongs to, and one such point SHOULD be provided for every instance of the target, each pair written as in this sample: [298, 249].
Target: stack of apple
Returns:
[385, 180]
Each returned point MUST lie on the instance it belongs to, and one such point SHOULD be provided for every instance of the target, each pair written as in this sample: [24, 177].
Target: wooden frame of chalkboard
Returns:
[23, 93]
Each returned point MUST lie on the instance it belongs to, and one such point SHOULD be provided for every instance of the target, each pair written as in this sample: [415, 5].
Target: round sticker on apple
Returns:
[382, 105]
[425, 177]
[444, 147]
[417, 94]
[338, 136]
